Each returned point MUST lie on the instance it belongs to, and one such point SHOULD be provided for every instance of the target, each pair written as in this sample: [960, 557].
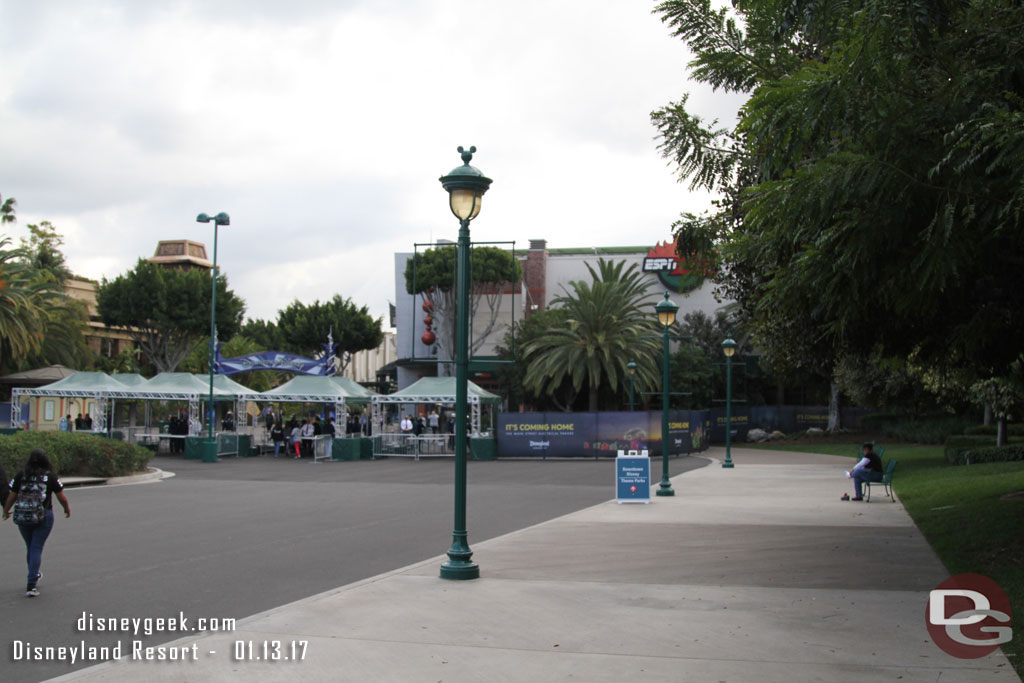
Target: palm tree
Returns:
[22, 318]
[608, 324]
[39, 324]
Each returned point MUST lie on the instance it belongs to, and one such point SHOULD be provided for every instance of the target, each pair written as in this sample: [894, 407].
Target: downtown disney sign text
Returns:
[676, 274]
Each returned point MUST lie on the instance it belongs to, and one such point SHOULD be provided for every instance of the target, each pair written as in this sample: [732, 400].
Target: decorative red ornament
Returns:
[428, 338]
[428, 305]
[428, 321]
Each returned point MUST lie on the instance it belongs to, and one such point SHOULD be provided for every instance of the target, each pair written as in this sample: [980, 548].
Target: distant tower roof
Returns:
[181, 254]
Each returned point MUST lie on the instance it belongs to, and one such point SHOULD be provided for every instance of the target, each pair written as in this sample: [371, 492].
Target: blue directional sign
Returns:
[633, 477]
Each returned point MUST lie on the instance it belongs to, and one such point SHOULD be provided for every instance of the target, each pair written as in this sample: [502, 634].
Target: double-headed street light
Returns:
[466, 186]
[209, 451]
[729, 349]
[631, 371]
[666, 316]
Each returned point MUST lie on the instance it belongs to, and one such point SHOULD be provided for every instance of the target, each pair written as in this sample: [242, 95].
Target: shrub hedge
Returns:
[957, 445]
[957, 448]
[990, 430]
[1013, 451]
[73, 453]
[873, 422]
[925, 430]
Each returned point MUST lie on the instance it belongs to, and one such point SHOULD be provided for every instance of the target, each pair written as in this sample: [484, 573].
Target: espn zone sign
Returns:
[674, 273]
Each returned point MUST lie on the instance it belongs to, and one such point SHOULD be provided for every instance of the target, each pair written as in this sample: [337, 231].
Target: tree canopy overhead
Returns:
[166, 310]
[303, 328]
[873, 187]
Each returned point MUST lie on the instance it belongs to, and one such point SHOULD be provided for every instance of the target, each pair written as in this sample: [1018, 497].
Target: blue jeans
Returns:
[277, 448]
[35, 538]
[860, 476]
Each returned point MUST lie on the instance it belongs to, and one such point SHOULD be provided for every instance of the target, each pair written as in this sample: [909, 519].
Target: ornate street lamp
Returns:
[466, 186]
[666, 316]
[209, 450]
[729, 349]
[631, 370]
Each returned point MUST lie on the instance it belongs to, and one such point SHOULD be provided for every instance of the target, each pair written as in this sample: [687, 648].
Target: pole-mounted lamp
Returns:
[466, 186]
[631, 371]
[666, 311]
[209, 450]
[729, 349]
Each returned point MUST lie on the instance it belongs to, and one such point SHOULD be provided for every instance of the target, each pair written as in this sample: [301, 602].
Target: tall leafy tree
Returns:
[304, 327]
[608, 322]
[872, 188]
[166, 310]
[7, 210]
[431, 274]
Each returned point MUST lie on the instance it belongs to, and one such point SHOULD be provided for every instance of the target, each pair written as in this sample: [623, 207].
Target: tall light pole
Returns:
[466, 186]
[666, 316]
[209, 451]
[728, 348]
[631, 370]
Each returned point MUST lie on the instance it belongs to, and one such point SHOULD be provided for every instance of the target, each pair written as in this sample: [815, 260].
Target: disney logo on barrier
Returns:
[540, 444]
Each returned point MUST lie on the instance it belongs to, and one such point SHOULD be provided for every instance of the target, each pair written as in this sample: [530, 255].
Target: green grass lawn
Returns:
[960, 510]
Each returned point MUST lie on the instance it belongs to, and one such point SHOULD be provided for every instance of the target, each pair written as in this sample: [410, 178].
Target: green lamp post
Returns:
[729, 349]
[666, 317]
[631, 371]
[466, 186]
[209, 450]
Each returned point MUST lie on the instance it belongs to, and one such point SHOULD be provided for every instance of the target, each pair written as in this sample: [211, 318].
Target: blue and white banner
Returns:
[275, 360]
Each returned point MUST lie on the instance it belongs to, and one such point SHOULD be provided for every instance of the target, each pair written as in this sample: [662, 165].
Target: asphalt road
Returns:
[238, 537]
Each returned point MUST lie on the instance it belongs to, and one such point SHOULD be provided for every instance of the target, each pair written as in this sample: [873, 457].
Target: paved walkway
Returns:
[758, 574]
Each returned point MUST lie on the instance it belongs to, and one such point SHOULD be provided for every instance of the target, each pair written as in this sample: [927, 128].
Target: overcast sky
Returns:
[321, 127]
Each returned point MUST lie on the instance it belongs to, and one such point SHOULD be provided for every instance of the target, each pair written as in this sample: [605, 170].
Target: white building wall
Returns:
[364, 365]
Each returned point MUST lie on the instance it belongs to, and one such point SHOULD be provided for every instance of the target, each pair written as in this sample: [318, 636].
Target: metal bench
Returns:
[886, 482]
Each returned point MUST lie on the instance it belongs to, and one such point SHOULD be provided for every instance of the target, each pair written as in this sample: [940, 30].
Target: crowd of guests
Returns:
[295, 437]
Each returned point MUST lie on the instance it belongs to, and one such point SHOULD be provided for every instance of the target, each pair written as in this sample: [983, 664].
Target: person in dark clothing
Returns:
[868, 469]
[38, 476]
[87, 423]
[277, 436]
[228, 423]
[5, 487]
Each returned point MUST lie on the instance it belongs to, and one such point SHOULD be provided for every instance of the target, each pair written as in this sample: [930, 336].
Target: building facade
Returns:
[546, 275]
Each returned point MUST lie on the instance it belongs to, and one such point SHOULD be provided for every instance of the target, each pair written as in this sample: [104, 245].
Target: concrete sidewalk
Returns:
[758, 574]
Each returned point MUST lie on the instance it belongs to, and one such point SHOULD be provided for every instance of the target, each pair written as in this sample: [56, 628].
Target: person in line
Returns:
[79, 424]
[228, 423]
[87, 423]
[296, 437]
[307, 434]
[37, 483]
[868, 469]
[434, 421]
[5, 487]
[65, 423]
[406, 424]
[277, 436]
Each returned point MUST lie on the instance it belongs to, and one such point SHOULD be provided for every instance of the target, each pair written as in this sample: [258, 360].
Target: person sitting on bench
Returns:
[868, 469]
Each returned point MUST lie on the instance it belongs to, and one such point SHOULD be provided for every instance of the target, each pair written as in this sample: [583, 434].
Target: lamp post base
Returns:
[667, 491]
[208, 450]
[727, 465]
[460, 570]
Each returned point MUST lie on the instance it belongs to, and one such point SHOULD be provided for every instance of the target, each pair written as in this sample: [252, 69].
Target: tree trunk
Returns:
[1001, 432]
[592, 405]
[833, 407]
[988, 414]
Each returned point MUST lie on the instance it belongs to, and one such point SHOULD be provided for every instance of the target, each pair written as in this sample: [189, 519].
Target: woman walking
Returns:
[31, 497]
